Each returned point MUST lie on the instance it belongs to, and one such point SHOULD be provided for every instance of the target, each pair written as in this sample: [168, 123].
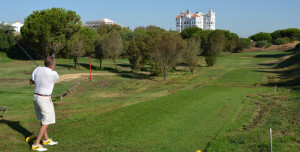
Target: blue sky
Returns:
[244, 17]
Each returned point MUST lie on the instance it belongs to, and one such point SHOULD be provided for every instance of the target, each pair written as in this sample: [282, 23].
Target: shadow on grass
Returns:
[82, 65]
[289, 77]
[15, 125]
[182, 64]
[267, 64]
[292, 77]
[128, 74]
[124, 65]
[293, 60]
[270, 55]
[65, 66]
[87, 66]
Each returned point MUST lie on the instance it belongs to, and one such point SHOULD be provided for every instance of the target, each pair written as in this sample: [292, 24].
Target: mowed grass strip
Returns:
[185, 121]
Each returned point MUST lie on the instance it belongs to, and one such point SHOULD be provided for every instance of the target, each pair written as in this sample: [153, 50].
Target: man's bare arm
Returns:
[31, 82]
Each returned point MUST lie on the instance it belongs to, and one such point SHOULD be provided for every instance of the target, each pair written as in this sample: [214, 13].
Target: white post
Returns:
[271, 138]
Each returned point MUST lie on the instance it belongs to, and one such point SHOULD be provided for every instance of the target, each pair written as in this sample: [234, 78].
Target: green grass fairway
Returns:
[124, 111]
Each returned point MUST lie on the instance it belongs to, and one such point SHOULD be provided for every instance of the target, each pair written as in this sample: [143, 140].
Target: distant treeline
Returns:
[60, 32]
[278, 37]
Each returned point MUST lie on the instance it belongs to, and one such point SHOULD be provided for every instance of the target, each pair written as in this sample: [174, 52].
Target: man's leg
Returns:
[41, 133]
[46, 135]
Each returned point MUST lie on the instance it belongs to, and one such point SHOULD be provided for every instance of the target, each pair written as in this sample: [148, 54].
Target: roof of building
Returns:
[195, 15]
[179, 16]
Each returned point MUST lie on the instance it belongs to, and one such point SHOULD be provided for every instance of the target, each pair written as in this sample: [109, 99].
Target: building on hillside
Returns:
[95, 23]
[17, 26]
[204, 21]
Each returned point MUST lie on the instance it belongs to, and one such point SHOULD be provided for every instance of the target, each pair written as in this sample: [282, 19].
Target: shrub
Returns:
[287, 39]
[261, 44]
[243, 43]
[268, 45]
[280, 41]
[210, 60]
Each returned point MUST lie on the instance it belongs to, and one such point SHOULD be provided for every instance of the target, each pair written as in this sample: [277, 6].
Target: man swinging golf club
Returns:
[44, 79]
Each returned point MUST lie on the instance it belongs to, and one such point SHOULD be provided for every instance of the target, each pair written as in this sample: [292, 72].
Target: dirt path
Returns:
[69, 77]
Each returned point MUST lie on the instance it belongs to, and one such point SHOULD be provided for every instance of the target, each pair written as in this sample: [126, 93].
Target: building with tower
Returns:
[204, 21]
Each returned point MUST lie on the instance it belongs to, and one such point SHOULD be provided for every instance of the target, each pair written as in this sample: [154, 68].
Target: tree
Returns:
[77, 49]
[291, 33]
[50, 29]
[203, 35]
[167, 52]
[215, 45]
[82, 43]
[231, 41]
[188, 32]
[104, 29]
[89, 37]
[134, 55]
[138, 52]
[261, 36]
[190, 54]
[243, 43]
[99, 54]
[112, 46]
[141, 30]
[5, 40]
[127, 36]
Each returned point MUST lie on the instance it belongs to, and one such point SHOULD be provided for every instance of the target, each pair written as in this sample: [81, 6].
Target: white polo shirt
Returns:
[44, 79]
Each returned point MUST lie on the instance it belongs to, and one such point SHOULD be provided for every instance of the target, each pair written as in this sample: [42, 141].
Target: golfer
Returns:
[44, 79]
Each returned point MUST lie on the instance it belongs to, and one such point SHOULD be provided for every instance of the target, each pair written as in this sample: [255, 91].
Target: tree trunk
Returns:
[192, 70]
[78, 64]
[75, 62]
[100, 63]
[165, 75]
[115, 64]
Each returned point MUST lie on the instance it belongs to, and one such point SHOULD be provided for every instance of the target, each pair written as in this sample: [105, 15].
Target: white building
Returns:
[204, 21]
[17, 26]
[94, 24]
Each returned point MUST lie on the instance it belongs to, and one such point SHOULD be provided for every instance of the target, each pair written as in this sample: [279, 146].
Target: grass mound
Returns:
[288, 70]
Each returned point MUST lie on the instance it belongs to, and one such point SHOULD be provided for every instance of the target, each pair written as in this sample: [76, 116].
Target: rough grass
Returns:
[211, 110]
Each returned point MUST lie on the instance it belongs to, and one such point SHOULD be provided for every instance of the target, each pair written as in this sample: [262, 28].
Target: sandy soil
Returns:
[68, 77]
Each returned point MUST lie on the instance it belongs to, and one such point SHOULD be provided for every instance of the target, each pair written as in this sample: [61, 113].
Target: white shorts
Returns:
[44, 109]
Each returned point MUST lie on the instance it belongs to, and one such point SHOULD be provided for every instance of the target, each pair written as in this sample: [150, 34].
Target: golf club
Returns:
[6, 32]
